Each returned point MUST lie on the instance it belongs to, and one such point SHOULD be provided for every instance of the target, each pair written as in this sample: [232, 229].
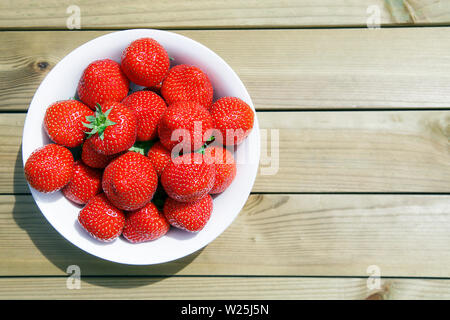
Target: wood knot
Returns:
[42, 65]
[375, 296]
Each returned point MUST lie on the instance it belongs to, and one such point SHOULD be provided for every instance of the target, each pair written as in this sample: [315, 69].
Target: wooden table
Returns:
[364, 170]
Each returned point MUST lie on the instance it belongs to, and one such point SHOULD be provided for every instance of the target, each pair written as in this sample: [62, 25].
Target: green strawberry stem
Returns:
[201, 150]
[142, 147]
[99, 122]
[205, 145]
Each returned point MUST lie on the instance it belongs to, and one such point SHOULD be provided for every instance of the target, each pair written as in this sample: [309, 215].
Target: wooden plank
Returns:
[283, 235]
[393, 151]
[196, 288]
[51, 14]
[358, 152]
[290, 69]
[12, 179]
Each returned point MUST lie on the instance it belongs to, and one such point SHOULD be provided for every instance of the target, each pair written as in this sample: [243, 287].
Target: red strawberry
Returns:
[130, 181]
[95, 159]
[191, 216]
[233, 118]
[86, 183]
[113, 128]
[63, 122]
[102, 81]
[188, 122]
[148, 108]
[187, 83]
[225, 165]
[101, 219]
[160, 157]
[188, 178]
[145, 62]
[145, 224]
[49, 168]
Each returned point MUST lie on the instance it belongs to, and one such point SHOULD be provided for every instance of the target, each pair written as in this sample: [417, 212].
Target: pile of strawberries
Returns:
[140, 162]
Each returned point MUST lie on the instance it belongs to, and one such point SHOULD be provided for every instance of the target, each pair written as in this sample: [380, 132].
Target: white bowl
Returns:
[61, 84]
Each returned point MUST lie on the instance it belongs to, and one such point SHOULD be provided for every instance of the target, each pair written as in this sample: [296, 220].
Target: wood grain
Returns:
[290, 69]
[282, 246]
[274, 235]
[100, 14]
[392, 151]
[358, 152]
[236, 288]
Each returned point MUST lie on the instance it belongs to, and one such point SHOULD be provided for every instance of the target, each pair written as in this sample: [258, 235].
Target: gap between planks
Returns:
[283, 235]
[51, 14]
[335, 152]
[340, 69]
[225, 288]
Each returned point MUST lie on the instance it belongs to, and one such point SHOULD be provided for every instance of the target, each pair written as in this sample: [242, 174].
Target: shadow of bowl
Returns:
[58, 253]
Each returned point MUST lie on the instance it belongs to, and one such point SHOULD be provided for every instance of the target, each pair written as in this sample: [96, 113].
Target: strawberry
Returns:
[49, 168]
[160, 157]
[130, 181]
[86, 183]
[145, 62]
[101, 219]
[113, 128]
[145, 224]
[191, 216]
[148, 108]
[189, 122]
[188, 178]
[102, 81]
[63, 122]
[225, 166]
[233, 118]
[94, 159]
[187, 83]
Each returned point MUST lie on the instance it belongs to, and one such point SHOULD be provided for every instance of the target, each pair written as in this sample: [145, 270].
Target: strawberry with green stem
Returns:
[99, 122]
[113, 128]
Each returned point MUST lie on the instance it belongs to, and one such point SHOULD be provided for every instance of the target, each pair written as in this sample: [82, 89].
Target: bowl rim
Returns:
[255, 135]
